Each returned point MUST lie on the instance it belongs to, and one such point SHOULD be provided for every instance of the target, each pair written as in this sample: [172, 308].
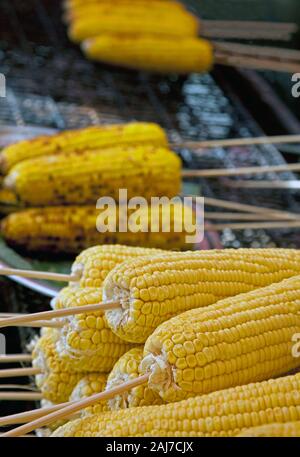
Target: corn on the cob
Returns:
[57, 379]
[179, 23]
[152, 290]
[54, 425]
[86, 339]
[91, 384]
[90, 138]
[127, 368]
[124, 8]
[74, 178]
[93, 264]
[236, 341]
[70, 230]
[223, 413]
[283, 430]
[150, 53]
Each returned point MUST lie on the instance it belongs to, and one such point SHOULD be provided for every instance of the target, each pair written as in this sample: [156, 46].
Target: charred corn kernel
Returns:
[93, 264]
[223, 413]
[150, 53]
[71, 229]
[179, 23]
[90, 138]
[126, 369]
[169, 284]
[57, 378]
[68, 179]
[235, 341]
[86, 338]
[284, 430]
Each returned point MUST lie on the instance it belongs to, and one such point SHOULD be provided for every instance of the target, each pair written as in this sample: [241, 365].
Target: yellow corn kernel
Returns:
[222, 413]
[241, 339]
[86, 339]
[126, 369]
[284, 430]
[159, 54]
[93, 264]
[91, 384]
[187, 280]
[90, 138]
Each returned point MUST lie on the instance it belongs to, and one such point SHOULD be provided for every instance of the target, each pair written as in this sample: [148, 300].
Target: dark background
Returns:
[265, 10]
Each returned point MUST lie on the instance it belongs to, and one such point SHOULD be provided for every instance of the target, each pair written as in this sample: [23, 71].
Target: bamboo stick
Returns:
[263, 184]
[20, 396]
[19, 372]
[46, 275]
[215, 202]
[213, 173]
[23, 418]
[209, 215]
[252, 225]
[13, 358]
[77, 406]
[25, 319]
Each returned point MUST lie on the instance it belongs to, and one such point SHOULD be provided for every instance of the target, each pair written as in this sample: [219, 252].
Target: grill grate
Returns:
[50, 84]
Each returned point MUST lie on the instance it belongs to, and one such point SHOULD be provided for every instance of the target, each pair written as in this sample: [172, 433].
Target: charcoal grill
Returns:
[51, 85]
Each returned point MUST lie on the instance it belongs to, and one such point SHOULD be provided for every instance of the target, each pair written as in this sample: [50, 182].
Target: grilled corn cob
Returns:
[124, 8]
[86, 338]
[83, 178]
[8, 202]
[93, 264]
[90, 138]
[236, 341]
[152, 53]
[223, 413]
[127, 368]
[152, 290]
[287, 430]
[179, 23]
[57, 379]
[70, 230]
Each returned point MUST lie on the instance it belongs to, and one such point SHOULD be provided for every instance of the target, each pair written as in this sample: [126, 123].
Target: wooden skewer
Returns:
[211, 173]
[209, 215]
[37, 324]
[256, 63]
[38, 275]
[215, 202]
[291, 184]
[23, 418]
[19, 372]
[72, 408]
[20, 396]
[24, 319]
[15, 358]
[252, 225]
[281, 139]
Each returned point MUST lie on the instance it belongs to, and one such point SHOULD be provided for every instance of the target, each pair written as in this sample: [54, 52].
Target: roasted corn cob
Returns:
[151, 290]
[283, 430]
[242, 339]
[93, 265]
[223, 413]
[70, 230]
[86, 338]
[152, 53]
[74, 178]
[8, 202]
[124, 8]
[170, 23]
[127, 368]
[90, 138]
